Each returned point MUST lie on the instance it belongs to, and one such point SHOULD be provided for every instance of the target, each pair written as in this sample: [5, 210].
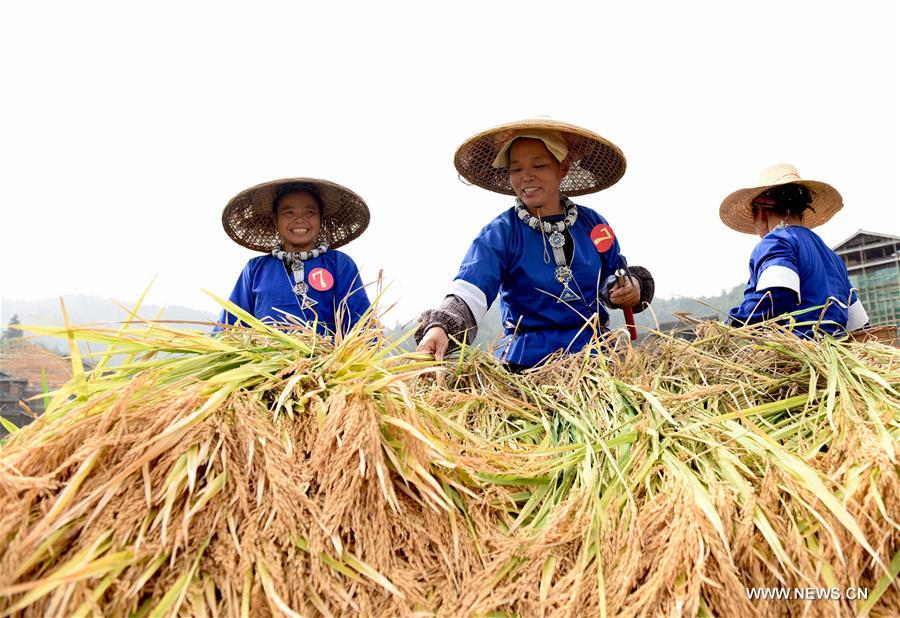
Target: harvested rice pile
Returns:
[264, 473]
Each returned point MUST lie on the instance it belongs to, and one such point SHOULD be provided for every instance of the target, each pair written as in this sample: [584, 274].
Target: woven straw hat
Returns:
[248, 218]
[595, 163]
[736, 210]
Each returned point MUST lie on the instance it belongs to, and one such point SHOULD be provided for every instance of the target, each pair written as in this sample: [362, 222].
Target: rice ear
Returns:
[264, 472]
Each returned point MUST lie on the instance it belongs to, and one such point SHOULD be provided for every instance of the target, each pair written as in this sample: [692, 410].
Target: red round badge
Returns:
[603, 237]
[320, 279]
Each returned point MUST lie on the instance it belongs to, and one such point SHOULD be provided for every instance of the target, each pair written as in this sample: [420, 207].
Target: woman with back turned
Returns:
[792, 271]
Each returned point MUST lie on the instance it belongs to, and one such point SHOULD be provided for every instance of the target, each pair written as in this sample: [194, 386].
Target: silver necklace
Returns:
[295, 261]
[562, 272]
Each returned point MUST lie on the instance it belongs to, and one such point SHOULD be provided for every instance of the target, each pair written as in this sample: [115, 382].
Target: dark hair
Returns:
[298, 187]
[790, 200]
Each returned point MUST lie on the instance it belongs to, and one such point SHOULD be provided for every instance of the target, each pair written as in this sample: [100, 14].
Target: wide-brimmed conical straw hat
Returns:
[736, 210]
[595, 163]
[248, 219]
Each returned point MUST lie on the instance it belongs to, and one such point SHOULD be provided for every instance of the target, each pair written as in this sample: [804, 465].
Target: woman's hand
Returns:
[627, 294]
[434, 342]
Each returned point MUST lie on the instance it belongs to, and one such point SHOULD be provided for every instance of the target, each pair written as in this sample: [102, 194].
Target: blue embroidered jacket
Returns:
[792, 269]
[511, 259]
[265, 289]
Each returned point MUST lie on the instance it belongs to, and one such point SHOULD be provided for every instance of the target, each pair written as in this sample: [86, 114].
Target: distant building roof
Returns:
[860, 238]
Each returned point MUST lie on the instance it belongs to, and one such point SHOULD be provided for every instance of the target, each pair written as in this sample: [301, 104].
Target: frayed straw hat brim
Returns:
[248, 218]
[736, 211]
[595, 163]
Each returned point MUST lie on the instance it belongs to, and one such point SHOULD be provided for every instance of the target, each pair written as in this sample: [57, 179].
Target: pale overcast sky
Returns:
[127, 128]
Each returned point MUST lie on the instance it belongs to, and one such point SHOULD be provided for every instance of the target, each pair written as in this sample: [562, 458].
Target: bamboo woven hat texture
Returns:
[736, 211]
[595, 162]
[248, 218]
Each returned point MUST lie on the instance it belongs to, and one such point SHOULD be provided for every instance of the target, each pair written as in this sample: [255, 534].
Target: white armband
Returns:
[473, 297]
[779, 277]
[856, 316]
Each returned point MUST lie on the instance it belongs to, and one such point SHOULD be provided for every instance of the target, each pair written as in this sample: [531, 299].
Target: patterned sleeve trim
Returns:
[454, 316]
[648, 287]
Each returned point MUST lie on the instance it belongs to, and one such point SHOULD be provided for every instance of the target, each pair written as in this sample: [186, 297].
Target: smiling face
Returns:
[298, 220]
[535, 175]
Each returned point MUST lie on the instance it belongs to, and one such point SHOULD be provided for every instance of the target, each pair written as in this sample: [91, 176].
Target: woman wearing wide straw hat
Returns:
[552, 262]
[298, 224]
[792, 270]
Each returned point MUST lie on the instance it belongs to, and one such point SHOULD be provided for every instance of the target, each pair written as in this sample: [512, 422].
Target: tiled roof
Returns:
[21, 358]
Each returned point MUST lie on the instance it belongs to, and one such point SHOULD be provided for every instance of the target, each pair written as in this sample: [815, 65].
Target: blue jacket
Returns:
[265, 289]
[792, 269]
[508, 258]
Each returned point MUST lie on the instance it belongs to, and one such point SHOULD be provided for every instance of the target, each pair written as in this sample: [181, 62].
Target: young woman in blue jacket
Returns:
[301, 278]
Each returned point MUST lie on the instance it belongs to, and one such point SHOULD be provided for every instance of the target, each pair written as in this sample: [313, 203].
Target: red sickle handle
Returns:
[629, 313]
[629, 322]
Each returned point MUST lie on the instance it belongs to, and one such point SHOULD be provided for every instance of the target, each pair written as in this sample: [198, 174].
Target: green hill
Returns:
[83, 309]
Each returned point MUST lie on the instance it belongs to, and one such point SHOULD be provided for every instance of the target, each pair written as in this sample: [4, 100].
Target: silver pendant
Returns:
[563, 274]
[301, 288]
[297, 265]
[308, 303]
[557, 240]
[567, 295]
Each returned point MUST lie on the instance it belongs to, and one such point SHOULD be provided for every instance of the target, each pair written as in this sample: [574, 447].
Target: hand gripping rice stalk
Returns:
[264, 473]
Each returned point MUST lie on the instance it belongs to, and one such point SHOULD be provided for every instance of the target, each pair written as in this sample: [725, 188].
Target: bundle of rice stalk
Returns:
[265, 472]
[250, 473]
[681, 477]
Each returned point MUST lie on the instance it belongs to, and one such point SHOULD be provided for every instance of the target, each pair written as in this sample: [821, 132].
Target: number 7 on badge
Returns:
[603, 237]
[321, 279]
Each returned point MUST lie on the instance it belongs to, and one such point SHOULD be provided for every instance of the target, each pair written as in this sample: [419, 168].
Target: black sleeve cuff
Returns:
[648, 287]
[454, 316]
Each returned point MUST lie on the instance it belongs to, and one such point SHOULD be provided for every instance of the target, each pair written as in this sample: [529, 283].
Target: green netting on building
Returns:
[879, 291]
